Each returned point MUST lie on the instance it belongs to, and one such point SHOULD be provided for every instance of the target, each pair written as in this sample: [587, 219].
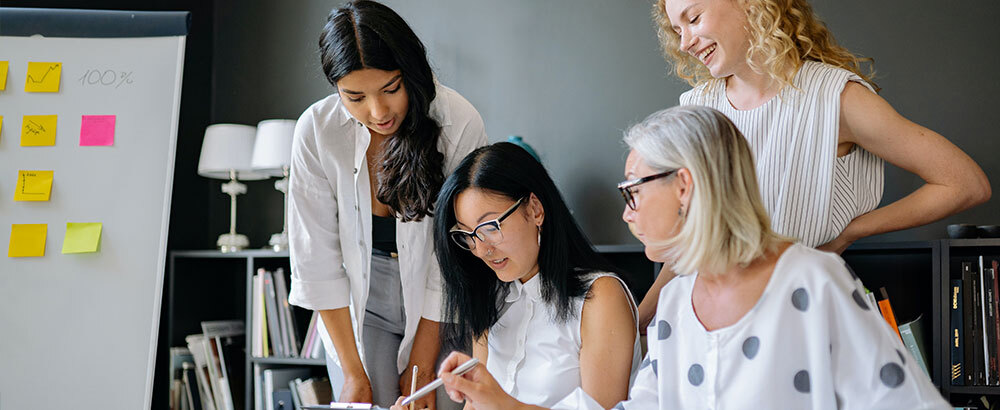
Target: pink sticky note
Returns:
[97, 130]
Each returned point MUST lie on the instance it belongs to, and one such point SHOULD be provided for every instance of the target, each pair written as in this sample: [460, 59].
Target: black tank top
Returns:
[384, 233]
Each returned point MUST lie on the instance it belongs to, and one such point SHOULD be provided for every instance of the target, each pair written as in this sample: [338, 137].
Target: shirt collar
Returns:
[531, 288]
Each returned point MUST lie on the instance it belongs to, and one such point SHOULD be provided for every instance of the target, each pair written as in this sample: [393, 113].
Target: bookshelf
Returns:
[210, 285]
[953, 253]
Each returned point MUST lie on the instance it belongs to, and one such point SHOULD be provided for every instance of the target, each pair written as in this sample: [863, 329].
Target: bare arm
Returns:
[357, 387]
[647, 308]
[480, 350]
[426, 346]
[954, 182]
[608, 331]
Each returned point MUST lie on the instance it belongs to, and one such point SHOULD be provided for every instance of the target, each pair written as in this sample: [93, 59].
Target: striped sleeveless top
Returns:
[810, 193]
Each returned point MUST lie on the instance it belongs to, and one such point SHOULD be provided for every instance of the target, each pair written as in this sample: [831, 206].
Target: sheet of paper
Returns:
[97, 130]
[3, 75]
[43, 77]
[38, 131]
[82, 237]
[33, 186]
[27, 240]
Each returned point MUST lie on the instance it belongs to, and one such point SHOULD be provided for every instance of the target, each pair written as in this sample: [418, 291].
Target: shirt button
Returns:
[355, 170]
[356, 208]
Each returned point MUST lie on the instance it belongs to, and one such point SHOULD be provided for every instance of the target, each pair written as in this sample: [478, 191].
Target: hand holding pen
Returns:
[465, 379]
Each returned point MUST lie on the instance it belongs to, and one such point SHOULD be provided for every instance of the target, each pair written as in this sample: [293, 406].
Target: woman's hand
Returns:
[429, 401]
[477, 387]
[357, 389]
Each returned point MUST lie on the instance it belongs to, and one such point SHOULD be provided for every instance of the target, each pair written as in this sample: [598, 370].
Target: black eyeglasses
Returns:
[487, 232]
[626, 187]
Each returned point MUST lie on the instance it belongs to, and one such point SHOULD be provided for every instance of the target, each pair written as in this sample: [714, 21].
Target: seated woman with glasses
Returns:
[546, 311]
[752, 321]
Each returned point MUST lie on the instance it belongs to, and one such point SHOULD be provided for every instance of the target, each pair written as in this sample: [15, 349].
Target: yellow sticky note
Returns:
[38, 131]
[33, 186]
[43, 77]
[82, 237]
[3, 75]
[27, 240]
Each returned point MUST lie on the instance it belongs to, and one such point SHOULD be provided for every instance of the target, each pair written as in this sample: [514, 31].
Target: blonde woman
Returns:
[752, 321]
[817, 128]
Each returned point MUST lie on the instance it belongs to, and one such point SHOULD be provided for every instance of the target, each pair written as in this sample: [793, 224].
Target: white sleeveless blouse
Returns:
[809, 193]
[534, 357]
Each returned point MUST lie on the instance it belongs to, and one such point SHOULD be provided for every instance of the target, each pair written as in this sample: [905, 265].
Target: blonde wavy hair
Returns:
[726, 224]
[783, 34]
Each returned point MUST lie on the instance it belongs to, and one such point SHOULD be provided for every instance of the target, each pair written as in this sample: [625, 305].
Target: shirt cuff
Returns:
[433, 299]
[320, 294]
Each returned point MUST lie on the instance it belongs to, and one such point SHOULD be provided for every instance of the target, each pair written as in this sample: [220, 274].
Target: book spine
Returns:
[957, 329]
[273, 323]
[285, 310]
[982, 323]
[977, 338]
[969, 314]
[991, 324]
[996, 320]
[191, 387]
[886, 307]
[910, 341]
[310, 330]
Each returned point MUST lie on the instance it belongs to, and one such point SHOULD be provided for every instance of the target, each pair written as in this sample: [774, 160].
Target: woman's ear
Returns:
[535, 210]
[684, 185]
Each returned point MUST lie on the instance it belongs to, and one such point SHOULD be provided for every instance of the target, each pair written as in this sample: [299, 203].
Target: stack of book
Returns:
[289, 389]
[910, 333]
[273, 329]
[206, 374]
[975, 324]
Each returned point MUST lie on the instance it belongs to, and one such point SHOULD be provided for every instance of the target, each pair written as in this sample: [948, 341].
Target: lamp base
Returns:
[279, 242]
[232, 242]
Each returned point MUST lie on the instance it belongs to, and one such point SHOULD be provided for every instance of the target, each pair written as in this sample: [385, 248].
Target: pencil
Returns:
[413, 384]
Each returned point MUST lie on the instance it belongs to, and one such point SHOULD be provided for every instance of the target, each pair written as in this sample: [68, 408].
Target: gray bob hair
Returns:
[726, 223]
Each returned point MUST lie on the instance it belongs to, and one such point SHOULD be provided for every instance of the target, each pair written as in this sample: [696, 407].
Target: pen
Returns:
[460, 370]
[413, 384]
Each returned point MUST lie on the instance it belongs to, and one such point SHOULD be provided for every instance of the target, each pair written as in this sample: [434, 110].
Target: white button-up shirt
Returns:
[330, 215]
[534, 356]
[812, 341]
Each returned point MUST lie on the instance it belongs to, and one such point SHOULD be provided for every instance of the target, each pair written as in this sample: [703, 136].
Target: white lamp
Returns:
[225, 154]
[272, 154]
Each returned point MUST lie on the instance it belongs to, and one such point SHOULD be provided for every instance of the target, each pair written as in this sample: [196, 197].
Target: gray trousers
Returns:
[381, 336]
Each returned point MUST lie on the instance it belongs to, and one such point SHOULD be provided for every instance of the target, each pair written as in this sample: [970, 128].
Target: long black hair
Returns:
[366, 34]
[473, 293]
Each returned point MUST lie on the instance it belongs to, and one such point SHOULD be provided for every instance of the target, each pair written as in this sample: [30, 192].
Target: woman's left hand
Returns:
[425, 374]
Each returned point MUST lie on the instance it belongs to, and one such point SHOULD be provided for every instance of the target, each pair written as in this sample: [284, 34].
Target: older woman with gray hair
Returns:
[753, 321]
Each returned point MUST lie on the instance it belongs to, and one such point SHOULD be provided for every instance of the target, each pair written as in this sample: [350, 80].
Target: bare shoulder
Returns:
[606, 300]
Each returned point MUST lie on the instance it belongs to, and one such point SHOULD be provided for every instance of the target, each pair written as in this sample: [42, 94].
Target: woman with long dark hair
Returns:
[752, 321]
[546, 311]
[367, 164]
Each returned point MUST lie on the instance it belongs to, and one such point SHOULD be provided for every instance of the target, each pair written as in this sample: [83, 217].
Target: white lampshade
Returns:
[272, 150]
[228, 147]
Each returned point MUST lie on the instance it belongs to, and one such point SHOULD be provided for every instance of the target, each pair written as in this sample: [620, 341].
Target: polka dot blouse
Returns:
[812, 341]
